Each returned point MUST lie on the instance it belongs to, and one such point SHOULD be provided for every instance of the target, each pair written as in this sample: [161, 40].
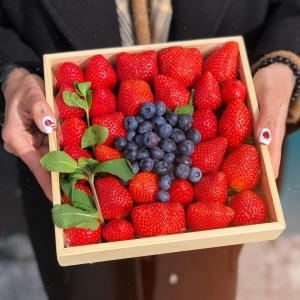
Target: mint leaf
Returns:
[184, 109]
[120, 167]
[58, 161]
[72, 99]
[82, 88]
[66, 216]
[88, 163]
[82, 200]
[95, 134]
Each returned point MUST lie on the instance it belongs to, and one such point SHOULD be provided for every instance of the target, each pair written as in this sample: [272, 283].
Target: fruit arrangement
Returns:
[159, 143]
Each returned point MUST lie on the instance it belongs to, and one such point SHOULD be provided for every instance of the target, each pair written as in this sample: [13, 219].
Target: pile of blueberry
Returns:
[160, 141]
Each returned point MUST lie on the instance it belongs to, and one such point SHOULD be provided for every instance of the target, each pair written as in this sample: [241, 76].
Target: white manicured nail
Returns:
[264, 136]
[48, 125]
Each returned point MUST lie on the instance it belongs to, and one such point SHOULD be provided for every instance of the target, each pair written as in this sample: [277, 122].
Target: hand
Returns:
[23, 131]
[273, 85]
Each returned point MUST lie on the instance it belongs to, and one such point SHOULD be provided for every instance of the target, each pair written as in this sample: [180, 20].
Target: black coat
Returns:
[31, 28]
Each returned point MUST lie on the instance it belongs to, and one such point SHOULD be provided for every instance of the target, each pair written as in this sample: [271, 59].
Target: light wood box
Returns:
[177, 242]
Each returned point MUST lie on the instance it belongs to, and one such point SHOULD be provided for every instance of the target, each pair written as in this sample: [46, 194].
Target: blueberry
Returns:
[165, 130]
[147, 110]
[171, 173]
[130, 135]
[163, 196]
[130, 123]
[185, 122]
[135, 167]
[157, 121]
[165, 182]
[139, 141]
[146, 164]
[182, 171]
[120, 142]
[139, 118]
[171, 118]
[186, 147]
[142, 153]
[161, 168]
[193, 135]
[145, 126]
[195, 174]
[157, 153]
[169, 157]
[160, 108]
[183, 159]
[168, 145]
[124, 182]
[150, 139]
[177, 135]
[130, 151]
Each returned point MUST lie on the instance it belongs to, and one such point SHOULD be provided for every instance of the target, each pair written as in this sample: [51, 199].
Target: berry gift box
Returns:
[188, 240]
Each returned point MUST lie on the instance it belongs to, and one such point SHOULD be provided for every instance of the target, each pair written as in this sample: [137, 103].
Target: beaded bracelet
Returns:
[292, 66]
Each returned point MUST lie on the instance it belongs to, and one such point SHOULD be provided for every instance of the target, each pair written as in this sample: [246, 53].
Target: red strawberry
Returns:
[158, 219]
[114, 199]
[64, 110]
[181, 191]
[140, 66]
[223, 63]
[104, 153]
[143, 187]
[206, 122]
[242, 167]
[79, 186]
[235, 124]
[114, 123]
[68, 72]
[248, 208]
[118, 230]
[212, 187]
[232, 90]
[208, 215]
[81, 236]
[103, 102]
[207, 93]
[132, 94]
[77, 152]
[71, 132]
[100, 73]
[183, 64]
[208, 155]
[170, 91]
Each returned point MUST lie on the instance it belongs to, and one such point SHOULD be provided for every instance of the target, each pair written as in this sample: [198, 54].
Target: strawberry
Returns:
[71, 132]
[114, 199]
[118, 230]
[158, 219]
[104, 153]
[207, 93]
[235, 124]
[181, 191]
[170, 91]
[183, 64]
[208, 215]
[140, 66]
[212, 187]
[68, 72]
[206, 122]
[132, 94]
[103, 102]
[114, 123]
[143, 187]
[64, 110]
[223, 63]
[242, 167]
[232, 90]
[248, 208]
[81, 236]
[77, 152]
[208, 155]
[100, 73]
[79, 186]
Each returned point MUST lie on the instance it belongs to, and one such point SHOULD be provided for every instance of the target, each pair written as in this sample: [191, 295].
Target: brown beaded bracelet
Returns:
[292, 66]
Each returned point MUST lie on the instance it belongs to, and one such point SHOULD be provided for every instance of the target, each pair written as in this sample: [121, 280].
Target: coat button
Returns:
[173, 279]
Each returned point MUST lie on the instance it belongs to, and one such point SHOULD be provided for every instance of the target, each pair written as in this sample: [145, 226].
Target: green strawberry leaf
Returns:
[66, 216]
[95, 134]
[59, 161]
[88, 164]
[184, 109]
[72, 99]
[120, 167]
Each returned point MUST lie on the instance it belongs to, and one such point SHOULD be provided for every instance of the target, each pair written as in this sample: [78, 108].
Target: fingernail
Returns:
[264, 136]
[48, 125]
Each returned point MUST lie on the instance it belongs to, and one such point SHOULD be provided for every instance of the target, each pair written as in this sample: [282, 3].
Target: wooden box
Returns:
[176, 242]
